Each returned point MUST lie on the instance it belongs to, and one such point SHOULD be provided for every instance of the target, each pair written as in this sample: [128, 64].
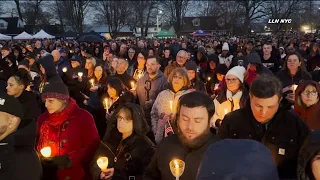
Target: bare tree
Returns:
[144, 11]
[17, 2]
[174, 11]
[253, 10]
[282, 10]
[115, 14]
[72, 12]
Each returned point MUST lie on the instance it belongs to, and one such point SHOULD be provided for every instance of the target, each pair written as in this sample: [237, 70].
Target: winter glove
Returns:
[49, 169]
[62, 161]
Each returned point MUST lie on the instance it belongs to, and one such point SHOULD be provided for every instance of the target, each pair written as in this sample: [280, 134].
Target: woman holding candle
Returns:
[292, 73]
[117, 94]
[126, 145]
[307, 103]
[232, 96]
[195, 82]
[139, 67]
[161, 112]
[95, 100]
[69, 131]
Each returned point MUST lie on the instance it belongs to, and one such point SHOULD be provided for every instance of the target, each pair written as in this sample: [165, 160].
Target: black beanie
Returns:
[10, 105]
[222, 69]
[191, 65]
[55, 90]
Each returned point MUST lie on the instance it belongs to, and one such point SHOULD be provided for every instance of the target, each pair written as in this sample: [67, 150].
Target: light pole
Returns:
[159, 13]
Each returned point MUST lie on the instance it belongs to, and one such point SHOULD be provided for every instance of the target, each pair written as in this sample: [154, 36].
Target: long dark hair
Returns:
[104, 73]
[116, 84]
[140, 126]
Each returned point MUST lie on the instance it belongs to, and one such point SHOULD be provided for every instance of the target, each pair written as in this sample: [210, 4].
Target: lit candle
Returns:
[177, 167]
[133, 86]
[171, 105]
[103, 163]
[216, 86]
[209, 78]
[64, 69]
[225, 111]
[80, 74]
[46, 152]
[106, 102]
[92, 82]
[139, 75]
[294, 87]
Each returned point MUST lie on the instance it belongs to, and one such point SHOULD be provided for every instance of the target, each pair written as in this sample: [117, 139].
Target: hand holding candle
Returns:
[92, 82]
[294, 87]
[177, 168]
[46, 152]
[103, 163]
[64, 69]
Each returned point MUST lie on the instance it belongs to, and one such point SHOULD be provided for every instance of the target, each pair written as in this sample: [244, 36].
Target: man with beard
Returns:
[194, 111]
[18, 159]
[150, 85]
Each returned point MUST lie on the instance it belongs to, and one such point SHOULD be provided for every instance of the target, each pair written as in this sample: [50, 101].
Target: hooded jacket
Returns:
[18, 159]
[284, 143]
[50, 69]
[310, 115]
[232, 159]
[129, 157]
[309, 149]
[288, 80]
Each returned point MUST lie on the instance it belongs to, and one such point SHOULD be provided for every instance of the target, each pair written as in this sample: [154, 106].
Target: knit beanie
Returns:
[222, 69]
[191, 65]
[55, 90]
[225, 47]
[237, 71]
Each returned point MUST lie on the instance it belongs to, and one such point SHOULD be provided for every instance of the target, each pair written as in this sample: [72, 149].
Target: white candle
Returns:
[46, 152]
[103, 163]
[80, 74]
[139, 75]
[106, 102]
[64, 69]
[133, 87]
[177, 173]
[171, 105]
[92, 82]
[294, 87]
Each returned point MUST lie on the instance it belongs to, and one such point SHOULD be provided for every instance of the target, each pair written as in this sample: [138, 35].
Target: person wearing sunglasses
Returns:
[307, 103]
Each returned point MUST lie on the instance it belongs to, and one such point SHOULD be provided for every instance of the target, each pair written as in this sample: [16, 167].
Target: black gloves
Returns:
[59, 161]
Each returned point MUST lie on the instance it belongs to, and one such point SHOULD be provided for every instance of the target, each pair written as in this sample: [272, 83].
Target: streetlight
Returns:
[159, 13]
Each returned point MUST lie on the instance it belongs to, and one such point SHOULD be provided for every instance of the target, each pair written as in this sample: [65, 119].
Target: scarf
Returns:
[238, 95]
[54, 121]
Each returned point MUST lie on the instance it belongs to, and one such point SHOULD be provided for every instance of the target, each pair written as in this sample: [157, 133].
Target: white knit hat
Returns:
[225, 47]
[237, 71]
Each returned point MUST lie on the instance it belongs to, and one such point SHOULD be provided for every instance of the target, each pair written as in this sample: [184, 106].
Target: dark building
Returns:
[205, 23]
[11, 25]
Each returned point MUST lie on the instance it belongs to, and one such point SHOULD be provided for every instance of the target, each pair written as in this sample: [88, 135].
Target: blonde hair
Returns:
[93, 61]
[182, 72]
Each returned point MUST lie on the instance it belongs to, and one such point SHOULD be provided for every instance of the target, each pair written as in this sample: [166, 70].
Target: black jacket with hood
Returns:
[309, 149]
[50, 69]
[128, 157]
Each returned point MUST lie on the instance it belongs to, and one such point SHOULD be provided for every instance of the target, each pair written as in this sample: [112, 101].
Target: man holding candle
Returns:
[18, 159]
[193, 138]
[263, 120]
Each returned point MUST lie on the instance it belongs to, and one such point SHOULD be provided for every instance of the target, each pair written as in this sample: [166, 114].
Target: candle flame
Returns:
[209, 78]
[103, 163]
[80, 74]
[64, 69]
[294, 87]
[176, 164]
[46, 152]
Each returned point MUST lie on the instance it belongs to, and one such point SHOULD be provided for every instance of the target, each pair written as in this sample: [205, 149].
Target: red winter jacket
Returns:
[77, 137]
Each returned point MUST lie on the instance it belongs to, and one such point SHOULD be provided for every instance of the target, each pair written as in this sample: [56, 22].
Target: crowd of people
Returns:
[225, 108]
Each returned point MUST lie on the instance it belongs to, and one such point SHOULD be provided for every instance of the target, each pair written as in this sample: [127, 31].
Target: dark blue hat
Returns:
[234, 159]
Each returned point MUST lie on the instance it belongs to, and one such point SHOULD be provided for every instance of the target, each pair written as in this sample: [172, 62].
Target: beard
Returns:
[196, 142]
[3, 129]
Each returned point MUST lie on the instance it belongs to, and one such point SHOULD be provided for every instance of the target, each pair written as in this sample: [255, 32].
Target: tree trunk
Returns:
[18, 9]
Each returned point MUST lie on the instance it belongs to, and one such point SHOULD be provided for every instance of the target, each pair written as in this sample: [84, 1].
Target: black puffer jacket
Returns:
[283, 135]
[309, 149]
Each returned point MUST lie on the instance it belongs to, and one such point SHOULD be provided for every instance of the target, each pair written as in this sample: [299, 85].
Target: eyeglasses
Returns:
[231, 80]
[313, 93]
[120, 118]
